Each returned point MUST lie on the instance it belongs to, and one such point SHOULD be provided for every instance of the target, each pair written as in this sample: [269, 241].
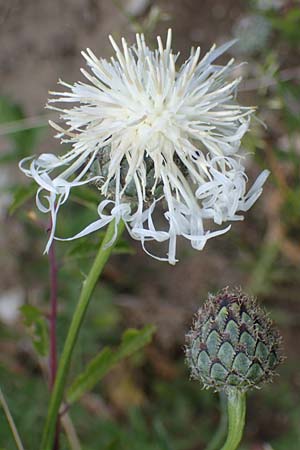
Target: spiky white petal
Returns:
[186, 122]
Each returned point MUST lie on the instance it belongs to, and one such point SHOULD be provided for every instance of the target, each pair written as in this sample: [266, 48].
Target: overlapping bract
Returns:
[232, 344]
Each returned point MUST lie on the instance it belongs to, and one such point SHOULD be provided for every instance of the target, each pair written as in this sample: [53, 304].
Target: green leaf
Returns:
[21, 194]
[37, 326]
[132, 341]
[83, 248]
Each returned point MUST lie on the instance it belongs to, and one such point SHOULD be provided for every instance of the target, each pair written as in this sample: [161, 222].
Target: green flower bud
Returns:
[232, 343]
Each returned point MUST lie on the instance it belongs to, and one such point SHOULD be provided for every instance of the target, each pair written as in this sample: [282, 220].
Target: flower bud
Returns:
[232, 343]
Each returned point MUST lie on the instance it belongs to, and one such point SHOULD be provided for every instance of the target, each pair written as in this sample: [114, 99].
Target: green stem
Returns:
[79, 314]
[11, 422]
[220, 434]
[236, 407]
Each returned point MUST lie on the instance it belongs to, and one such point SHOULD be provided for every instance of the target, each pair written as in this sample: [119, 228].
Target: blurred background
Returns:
[147, 402]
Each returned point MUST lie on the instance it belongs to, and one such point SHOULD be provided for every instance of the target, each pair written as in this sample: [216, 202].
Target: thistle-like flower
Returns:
[149, 134]
[233, 344]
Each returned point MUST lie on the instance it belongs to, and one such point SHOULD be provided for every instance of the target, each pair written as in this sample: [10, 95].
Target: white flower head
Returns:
[160, 143]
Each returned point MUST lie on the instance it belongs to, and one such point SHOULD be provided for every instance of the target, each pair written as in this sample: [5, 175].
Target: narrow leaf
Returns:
[132, 341]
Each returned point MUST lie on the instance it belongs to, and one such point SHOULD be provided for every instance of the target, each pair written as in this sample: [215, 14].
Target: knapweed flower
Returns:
[160, 143]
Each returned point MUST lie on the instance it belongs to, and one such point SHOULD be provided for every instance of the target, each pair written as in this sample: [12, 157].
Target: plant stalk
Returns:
[79, 314]
[11, 422]
[53, 316]
[53, 271]
[236, 407]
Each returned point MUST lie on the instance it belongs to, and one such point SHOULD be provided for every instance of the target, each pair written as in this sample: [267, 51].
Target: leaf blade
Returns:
[132, 340]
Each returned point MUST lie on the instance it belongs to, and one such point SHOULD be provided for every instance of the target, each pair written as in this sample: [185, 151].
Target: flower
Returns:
[147, 134]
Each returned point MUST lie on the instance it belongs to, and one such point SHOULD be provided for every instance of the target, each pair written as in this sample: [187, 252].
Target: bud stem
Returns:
[236, 418]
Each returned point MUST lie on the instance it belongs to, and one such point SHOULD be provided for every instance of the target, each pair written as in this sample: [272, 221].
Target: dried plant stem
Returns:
[70, 432]
[78, 316]
[11, 422]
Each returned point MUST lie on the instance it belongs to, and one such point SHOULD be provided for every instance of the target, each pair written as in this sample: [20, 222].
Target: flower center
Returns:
[155, 125]
[158, 119]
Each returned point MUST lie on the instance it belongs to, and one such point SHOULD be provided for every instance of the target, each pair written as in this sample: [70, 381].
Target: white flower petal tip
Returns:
[161, 144]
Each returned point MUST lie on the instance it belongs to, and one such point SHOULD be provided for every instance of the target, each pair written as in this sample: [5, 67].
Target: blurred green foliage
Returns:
[23, 140]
